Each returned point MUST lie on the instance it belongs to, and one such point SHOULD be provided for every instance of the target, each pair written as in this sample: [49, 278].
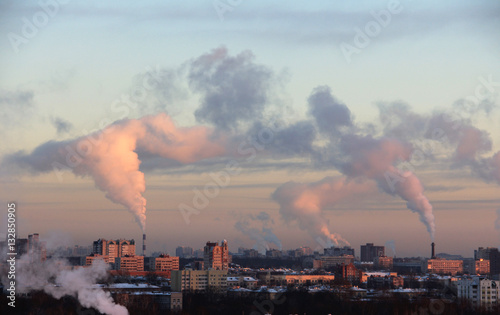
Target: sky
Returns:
[271, 125]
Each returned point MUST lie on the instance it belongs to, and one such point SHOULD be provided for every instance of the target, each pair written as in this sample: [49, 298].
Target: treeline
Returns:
[291, 302]
[302, 302]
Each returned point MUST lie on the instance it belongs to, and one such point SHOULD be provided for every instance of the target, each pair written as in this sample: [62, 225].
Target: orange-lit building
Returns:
[166, 263]
[383, 262]
[129, 263]
[89, 259]
[482, 266]
[114, 248]
[216, 256]
[443, 266]
[350, 272]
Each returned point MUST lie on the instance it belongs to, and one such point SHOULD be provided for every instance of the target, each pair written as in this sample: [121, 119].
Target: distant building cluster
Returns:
[32, 246]
[218, 271]
[184, 252]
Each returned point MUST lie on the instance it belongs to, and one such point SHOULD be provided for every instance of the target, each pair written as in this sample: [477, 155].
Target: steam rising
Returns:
[304, 203]
[376, 159]
[56, 278]
[263, 237]
[110, 156]
[235, 96]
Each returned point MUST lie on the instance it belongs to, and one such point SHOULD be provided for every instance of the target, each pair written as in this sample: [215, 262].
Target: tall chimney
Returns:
[433, 256]
[144, 244]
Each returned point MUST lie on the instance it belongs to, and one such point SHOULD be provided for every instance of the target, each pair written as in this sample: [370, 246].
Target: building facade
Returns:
[369, 252]
[443, 266]
[492, 254]
[350, 272]
[481, 292]
[199, 280]
[114, 248]
[383, 262]
[184, 251]
[216, 256]
[332, 261]
[90, 259]
[129, 263]
[339, 251]
[166, 263]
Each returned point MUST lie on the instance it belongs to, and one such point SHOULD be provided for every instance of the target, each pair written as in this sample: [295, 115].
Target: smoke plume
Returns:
[304, 203]
[55, 277]
[392, 245]
[234, 89]
[110, 156]
[263, 236]
[376, 159]
[330, 115]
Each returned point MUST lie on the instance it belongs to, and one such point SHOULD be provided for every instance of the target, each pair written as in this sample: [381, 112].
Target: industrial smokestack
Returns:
[144, 244]
[433, 255]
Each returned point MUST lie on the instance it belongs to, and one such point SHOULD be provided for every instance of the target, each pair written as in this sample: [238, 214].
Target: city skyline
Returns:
[345, 124]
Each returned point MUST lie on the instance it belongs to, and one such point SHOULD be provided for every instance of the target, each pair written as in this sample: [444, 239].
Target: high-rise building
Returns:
[481, 292]
[114, 248]
[216, 256]
[370, 251]
[184, 251]
[100, 247]
[120, 248]
[492, 254]
[36, 248]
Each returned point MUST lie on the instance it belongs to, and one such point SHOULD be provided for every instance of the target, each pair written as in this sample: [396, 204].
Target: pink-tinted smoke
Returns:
[113, 163]
[304, 203]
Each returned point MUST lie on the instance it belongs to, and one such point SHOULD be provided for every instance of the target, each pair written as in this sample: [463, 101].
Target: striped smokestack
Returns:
[143, 244]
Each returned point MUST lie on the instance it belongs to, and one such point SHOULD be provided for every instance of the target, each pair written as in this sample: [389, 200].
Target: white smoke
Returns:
[262, 236]
[392, 245]
[304, 203]
[55, 277]
[110, 156]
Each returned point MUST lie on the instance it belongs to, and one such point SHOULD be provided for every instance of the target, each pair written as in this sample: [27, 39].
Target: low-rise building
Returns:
[129, 263]
[443, 266]
[199, 280]
[166, 263]
[144, 296]
[350, 272]
[383, 262]
[333, 261]
[339, 251]
[242, 281]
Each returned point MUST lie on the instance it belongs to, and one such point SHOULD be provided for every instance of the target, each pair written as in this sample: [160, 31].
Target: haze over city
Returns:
[285, 124]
